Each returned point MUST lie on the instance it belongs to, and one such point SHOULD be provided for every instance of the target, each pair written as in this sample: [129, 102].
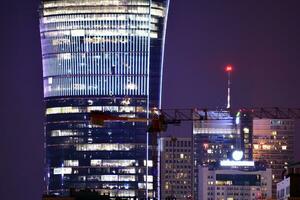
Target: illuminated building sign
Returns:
[239, 163]
[237, 155]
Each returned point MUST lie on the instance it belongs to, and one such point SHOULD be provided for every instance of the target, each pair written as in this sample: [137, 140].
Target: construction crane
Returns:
[160, 119]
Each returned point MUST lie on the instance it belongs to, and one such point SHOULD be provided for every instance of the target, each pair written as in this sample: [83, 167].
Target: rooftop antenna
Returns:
[228, 69]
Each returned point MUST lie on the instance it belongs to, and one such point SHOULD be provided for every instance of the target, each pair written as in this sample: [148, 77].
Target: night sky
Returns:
[260, 38]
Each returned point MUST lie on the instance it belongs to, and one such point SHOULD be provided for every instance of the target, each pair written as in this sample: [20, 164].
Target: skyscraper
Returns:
[273, 143]
[104, 55]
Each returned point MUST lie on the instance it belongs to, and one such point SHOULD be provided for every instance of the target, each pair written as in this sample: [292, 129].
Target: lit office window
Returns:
[71, 163]
[143, 186]
[149, 179]
[104, 147]
[126, 178]
[127, 171]
[113, 163]
[62, 133]
[150, 163]
[121, 109]
[109, 178]
[62, 170]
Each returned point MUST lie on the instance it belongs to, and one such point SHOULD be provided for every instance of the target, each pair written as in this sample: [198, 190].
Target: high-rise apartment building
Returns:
[176, 167]
[273, 143]
[104, 55]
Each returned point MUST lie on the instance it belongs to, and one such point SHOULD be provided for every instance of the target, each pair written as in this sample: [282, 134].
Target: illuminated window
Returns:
[246, 130]
[126, 193]
[50, 80]
[76, 33]
[150, 163]
[126, 178]
[113, 163]
[71, 163]
[127, 171]
[150, 186]
[131, 86]
[104, 147]
[109, 177]
[266, 147]
[127, 109]
[61, 133]
[284, 147]
[79, 86]
[274, 133]
[94, 108]
[65, 56]
[150, 178]
[58, 110]
[62, 170]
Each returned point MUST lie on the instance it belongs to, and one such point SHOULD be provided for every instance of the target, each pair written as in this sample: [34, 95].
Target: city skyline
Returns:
[235, 33]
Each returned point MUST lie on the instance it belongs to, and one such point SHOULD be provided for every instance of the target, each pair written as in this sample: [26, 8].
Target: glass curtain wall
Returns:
[104, 55]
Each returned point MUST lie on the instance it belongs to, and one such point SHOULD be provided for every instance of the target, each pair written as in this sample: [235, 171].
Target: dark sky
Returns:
[260, 38]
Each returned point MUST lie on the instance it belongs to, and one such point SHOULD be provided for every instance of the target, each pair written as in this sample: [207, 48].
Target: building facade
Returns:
[214, 139]
[176, 167]
[104, 55]
[288, 188]
[231, 183]
[273, 143]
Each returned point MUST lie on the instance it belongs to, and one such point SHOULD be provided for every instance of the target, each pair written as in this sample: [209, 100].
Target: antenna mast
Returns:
[228, 69]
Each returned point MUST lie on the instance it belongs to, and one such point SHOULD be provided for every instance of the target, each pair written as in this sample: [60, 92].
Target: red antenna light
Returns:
[228, 68]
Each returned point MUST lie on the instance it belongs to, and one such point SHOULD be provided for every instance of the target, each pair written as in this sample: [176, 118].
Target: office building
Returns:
[104, 55]
[273, 144]
[176, 167]
[234, 182]
[214, 139]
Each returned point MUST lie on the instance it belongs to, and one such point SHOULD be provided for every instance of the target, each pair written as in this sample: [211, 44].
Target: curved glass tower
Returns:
[104, 55]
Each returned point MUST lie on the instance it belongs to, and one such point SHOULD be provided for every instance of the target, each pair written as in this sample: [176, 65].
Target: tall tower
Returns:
[104, 55]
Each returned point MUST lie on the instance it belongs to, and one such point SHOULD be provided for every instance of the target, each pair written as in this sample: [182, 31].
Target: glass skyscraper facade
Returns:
[104, 55]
